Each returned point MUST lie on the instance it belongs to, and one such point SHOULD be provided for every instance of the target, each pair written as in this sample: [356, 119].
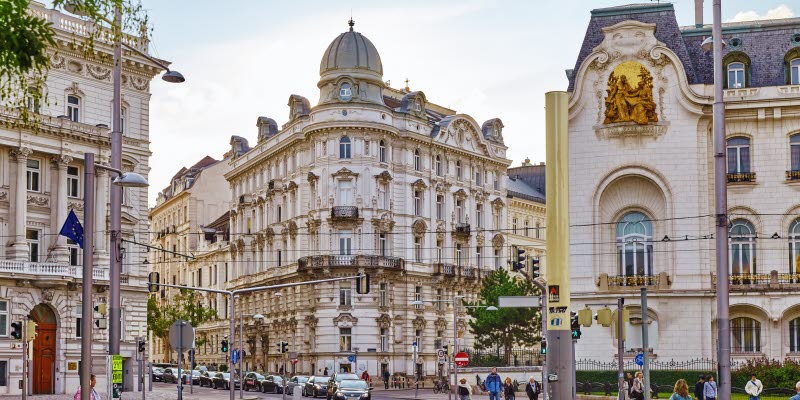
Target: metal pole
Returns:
[191, 365]
[545, 384]
[721, 207]
[283, 378]
[620, 350]
[88, 266]
[232, 366]
[180, 359]
[574, 379]
[414, 368]
[645, 345]
[25, 370]
[140, 364]
[456, 303]
[150, 372]
[241, 351]
[115, 264]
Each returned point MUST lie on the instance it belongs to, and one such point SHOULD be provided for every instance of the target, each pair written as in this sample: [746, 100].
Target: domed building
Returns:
[371, 179]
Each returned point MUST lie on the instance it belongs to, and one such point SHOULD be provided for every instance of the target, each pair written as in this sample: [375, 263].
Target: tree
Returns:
[186, 306]
[506, 327]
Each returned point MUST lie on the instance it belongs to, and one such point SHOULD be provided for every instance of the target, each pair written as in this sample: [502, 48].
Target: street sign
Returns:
[462, 359]
[351, 358]
[440, 353]
[294, 361]
[639, 359]
[116, 376]
[235, 356]
[181, 336]
[519, 301]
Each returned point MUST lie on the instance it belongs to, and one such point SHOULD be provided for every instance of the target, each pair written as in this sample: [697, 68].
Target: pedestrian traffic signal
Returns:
[141, 345]
[101, 308]
[16, 330]
[284, 347]
[362, 283]
[543, 348]
[519, 261]
[535, 268]
[585, 317]
[576, 326]
[603, 317]
[224, 346]
[152, 281]
[30, 333]
[101, 323]
[447, 349]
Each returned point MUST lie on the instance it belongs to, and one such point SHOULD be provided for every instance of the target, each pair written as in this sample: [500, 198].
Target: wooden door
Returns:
[44, 358]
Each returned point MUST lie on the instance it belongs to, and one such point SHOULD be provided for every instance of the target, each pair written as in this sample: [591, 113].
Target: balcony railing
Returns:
[793, 175]
[441, 269]
[344, 212]
[633, 280]
[346, 261]
[749, 279]
[741, 177]
[462, 229]
[470, 272]
[48, 270]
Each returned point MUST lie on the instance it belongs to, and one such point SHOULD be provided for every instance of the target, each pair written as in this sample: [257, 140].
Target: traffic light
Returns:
[224, 346]
[30, 333]
[446, 349]
[153, 279]
[101, 323]
[284, 347]
[576, 326]
[543, 348]
[585, 317]
[16, 330]
[604, 317]
[535, 268]
[100, 308]
[141, 345]
[519, 262]
[362, 283]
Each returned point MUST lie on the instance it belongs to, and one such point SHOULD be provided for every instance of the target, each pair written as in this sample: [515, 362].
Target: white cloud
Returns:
[781, 11]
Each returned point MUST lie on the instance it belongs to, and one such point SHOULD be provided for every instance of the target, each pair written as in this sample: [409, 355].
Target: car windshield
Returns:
[342, 377]
[226, 375]
[258, 376]
[195, 373]
[277, 378]
[156, 369]
[353, 384]
[302, 379]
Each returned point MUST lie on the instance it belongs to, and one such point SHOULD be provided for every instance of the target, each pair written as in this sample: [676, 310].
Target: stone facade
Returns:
[41, 181]
[526, 214]
[642, 194]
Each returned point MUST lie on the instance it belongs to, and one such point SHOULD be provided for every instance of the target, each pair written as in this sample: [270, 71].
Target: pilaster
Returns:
[19, 249]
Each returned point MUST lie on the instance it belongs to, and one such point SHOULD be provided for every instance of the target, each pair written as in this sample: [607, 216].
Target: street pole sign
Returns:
[235, 356]
[519, 301]
[181, 336]
[116, 376]
[461, 359]
[639, 359]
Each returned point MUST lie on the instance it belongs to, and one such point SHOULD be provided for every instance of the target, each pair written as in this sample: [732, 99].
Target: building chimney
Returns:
[698, 13]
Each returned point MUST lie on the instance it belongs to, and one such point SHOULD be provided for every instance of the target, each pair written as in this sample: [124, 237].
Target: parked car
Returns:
[195, 377]
[272, 384]
[207, 378]
[296, 381]
[316, 386]
[335, 379]
[252, 380]
[352, 389]
[223, 381]
[158, 374]
[171, 375]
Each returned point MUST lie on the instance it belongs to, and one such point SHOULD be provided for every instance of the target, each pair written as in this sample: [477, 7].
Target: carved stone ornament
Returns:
[345, 320]
[260, 240]
[47, 295]
[630, 95]
[98, 72]
[441, 230]
[419, 322]
[40, 201]
[344, 173]
[419, 228]
[385, 223]
[139, 83]
[311, 321]
[384, 177]
[497, 241]
[440, 324]
[269, 235]
[462, 325]
[57, 61]
[498, 203]
[631, 130]
[291, 186]
[461, 194]
[384, 321]
[60, 161]
[21, 153]
[480, 239]
[313, 225]
[3, 196]
[419, 184]
[292, 227]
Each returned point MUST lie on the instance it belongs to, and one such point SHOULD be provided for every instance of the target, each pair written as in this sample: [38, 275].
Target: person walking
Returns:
[797, 390]
[508, 389]
[754, 388]
[464, 390]
[386, 378]
[94, 396]
[494, 385]
[698, 387]
[325, 372]
[532, 389]
[629, 381]
[637, 389]
[709, 389]
[680, 391]
[365, 377]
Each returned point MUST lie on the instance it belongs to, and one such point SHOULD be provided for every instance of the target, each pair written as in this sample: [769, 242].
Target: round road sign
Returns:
[462, 359]
[639, 359]
[294, 361]
[440, 353]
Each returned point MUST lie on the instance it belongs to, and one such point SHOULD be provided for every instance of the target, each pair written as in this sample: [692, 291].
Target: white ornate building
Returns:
[642, 188]
[41, 179]
[525, 190]
[370, 179]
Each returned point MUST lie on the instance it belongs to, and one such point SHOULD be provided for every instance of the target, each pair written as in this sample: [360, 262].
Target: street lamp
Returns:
[257, 317]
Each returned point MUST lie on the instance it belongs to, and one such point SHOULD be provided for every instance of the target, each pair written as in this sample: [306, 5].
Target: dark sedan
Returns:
[252, 380]
[272, 384]
[352, 389]
[207, 378]
[296, 381]
[336, 379]
[171, 375]
[223, 381]
[158, 374]
[316, 386]
[195, 377]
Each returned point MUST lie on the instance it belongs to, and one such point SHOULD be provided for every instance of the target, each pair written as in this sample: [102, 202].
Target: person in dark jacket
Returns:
[532, 389]
[630, 384]
[698, 388]
[386, 378]
[508, 389]
[494, 385]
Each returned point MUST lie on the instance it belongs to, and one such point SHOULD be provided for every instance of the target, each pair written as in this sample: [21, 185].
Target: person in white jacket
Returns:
[464, 390]
[754, 388]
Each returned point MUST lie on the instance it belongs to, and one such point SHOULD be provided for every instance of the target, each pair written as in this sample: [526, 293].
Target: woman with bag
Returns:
[681, 391]
[637, 390]
[464, 390]
[508, 389]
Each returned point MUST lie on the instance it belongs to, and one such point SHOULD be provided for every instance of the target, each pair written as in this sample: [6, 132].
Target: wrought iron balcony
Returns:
[749, 279]
[633, 280]
[741, 177]
[442, 269]
[470, 272]
[462, 229]
[344, 212]
[348, 261]
[793, 175]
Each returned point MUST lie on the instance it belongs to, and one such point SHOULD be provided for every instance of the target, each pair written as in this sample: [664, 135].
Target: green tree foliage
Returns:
[506, 327]
[185, 305]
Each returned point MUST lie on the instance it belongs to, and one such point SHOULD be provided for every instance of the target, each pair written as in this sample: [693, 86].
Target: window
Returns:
[459, 211]
[738, 155]
[278, 213]
[439, 250]
[440, 206]
[73, 182]
[745, 335]
[383, 295]
[345, 192]
[3, 318]
[458, 254]
[418, 297]
[345, 242]
[74, 108]
[794, 247]
[33, 172]
[382, 151]
[279, 255]
[514, 225]
[527, 227]
[479, 215]
[78, 319]
[496, 181]
[344, 147]
[439, 298]
[418, 203]
[383, 198]
[538, 228]
[417, 161]
[32, 237]
[382, 244]
[384, 339]
[345, 339]
[634, 233]
[345, 294]
[479, 256]
[478, 177]
[345, 93]
[438, 166]
[34, 103]
[122, 120]
[418, 338]
[794, 151]
[794, 71]
[497, 260]
[458, 170]
[736, 75]
[741, 255]
[74, 253]
[418, 249]
[794, 335]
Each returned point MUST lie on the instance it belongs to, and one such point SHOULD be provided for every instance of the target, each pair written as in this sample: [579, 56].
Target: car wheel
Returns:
[263, 389]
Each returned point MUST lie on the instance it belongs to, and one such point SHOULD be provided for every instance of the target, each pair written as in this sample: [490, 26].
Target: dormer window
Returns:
[794, 71]
[418, 106]
[735, 75]
[345, 92]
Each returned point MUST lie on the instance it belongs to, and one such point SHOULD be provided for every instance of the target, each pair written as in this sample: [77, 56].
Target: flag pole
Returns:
[88, 261]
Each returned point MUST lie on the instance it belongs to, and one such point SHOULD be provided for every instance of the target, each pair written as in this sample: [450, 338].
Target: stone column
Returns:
[19, 250]
[60, 162]
[102, 235]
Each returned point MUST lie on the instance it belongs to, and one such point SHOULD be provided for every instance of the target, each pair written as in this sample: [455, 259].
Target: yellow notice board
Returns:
[116, 368]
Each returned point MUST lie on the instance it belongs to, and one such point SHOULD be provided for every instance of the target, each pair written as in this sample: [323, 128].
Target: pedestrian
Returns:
[709, 389]
[626, 390]
[681, 391]
[94, 396]
[797, 390]
[637, 390]
[464, 390]
[630, 384]
[532, 389]
[754, 388]
[698, 387]
[386, 378]
[508, 389]
[494, 385]
[326, 371]
[365, 376]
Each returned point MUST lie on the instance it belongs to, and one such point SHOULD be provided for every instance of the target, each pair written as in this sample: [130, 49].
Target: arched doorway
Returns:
[44, 349]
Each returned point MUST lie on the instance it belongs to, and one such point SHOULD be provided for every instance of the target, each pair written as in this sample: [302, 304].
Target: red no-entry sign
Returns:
[462, 359]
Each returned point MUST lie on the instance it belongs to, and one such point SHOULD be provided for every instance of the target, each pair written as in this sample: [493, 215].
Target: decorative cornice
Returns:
[21, 153]
[344, 172]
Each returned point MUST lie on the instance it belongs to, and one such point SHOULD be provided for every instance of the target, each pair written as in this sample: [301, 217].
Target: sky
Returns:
[487, 58]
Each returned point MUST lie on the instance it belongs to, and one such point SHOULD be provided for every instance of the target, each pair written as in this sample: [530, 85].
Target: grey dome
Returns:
[351, 50]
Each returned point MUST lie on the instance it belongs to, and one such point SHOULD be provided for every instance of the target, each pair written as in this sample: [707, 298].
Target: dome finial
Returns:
[351, 23]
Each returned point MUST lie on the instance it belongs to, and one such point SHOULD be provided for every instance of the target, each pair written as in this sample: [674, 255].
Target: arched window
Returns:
[382, 151]
[736, 75]
[345, 93]
[634, 233]
[738, 155]
[417, 161]
[458, 169]
[794, 71]
[745, 335]
[439, 165]
[794, 153]
[794, 335]
[794, 247]
[344, 147]
[742, 257]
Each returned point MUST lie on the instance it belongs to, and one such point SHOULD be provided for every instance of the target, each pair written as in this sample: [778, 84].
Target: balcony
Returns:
[47, 274]
[633, 280]
[470, 273]
[742, 177]
[793, 175]
[623, 283]
[462, 230]
[773, 281]
[441, 269]
[350, 261]
[344, 212]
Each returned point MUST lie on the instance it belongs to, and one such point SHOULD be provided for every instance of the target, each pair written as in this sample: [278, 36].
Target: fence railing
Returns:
[699, 364]
[495, 358]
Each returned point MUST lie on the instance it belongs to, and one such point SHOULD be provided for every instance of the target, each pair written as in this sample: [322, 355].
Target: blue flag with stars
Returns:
[72, 229]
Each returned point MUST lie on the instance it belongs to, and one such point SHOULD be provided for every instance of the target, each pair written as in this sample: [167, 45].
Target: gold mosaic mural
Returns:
[630, 95]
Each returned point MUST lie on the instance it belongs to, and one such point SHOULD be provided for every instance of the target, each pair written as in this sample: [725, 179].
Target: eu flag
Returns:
[72, 229]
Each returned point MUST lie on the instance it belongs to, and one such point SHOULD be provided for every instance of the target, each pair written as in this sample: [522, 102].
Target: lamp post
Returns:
[130, 179]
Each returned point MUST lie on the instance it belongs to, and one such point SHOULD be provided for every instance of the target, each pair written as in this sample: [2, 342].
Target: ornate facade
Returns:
[526, 212]
[642, 188]
[41, 181]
